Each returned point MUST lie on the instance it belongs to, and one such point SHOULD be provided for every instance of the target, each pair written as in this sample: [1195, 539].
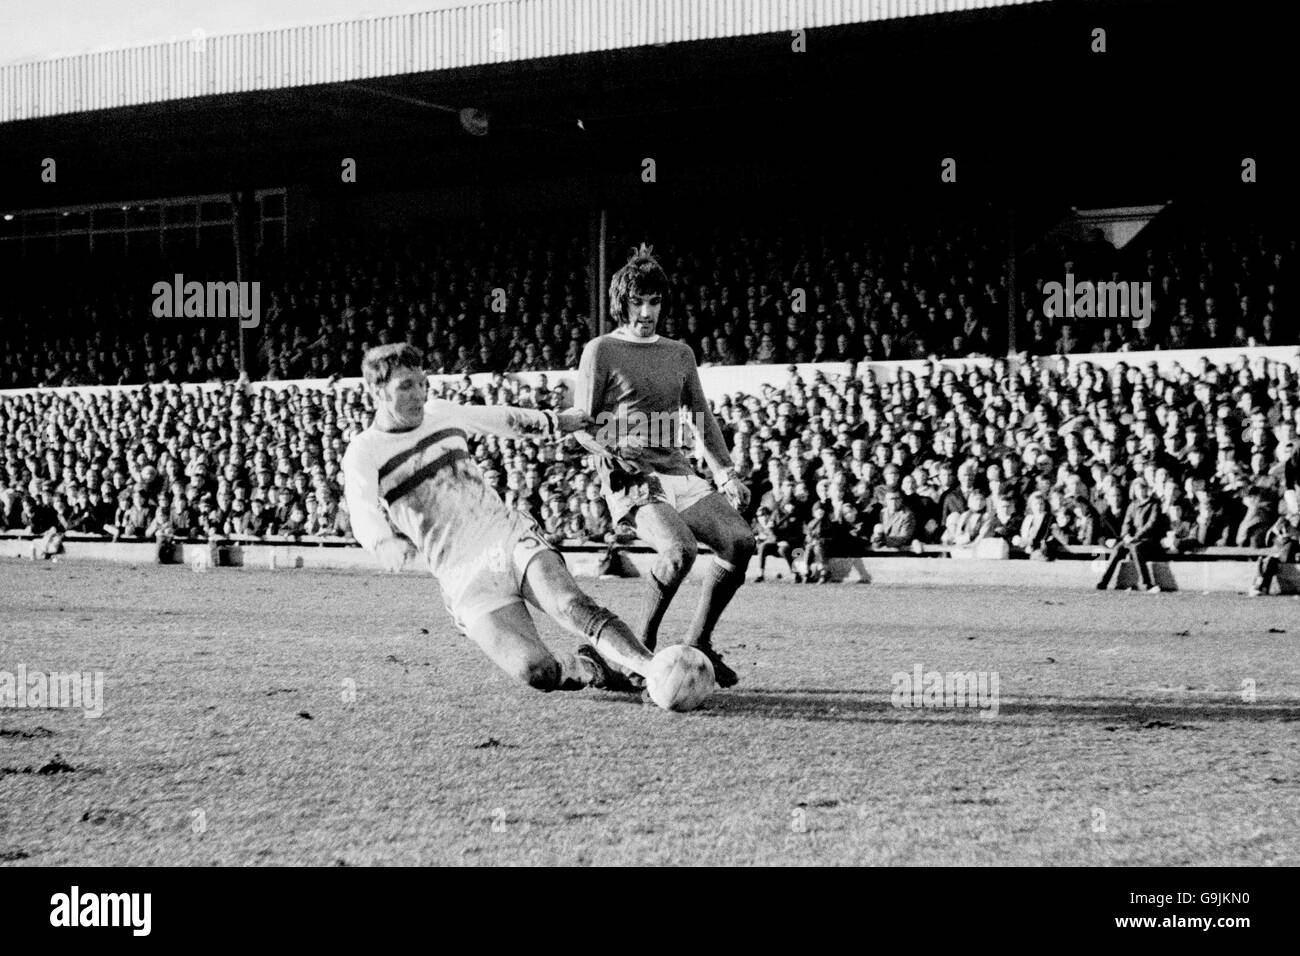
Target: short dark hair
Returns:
[382, 361]
[641, 275]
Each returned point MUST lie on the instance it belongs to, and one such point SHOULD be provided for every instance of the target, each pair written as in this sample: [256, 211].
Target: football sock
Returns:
[657, 598]
[612, 638]
[611, 643]
[584, 617]
[720, 585]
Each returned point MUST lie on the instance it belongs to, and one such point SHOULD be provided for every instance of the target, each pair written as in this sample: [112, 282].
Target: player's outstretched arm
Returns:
[507, 421]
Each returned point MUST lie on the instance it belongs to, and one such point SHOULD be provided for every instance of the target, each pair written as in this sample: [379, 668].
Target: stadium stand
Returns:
[996, 457]
[777, 292]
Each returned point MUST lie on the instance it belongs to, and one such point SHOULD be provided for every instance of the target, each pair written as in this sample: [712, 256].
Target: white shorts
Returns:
[495, 577]
[679, 491]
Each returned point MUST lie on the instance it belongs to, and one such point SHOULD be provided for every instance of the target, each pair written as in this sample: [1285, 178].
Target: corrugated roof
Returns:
[472, 35]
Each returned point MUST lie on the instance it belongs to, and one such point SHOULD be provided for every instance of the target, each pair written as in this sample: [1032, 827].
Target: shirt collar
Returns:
[626, 336]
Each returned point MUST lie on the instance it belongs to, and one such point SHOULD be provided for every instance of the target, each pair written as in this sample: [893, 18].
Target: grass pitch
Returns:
[298, 717]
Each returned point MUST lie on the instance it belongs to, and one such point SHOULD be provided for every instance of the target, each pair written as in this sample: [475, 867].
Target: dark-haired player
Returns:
[412, 485]
[632, 381]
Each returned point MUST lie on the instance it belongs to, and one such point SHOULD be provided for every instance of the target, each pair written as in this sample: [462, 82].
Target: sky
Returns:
[42, 29]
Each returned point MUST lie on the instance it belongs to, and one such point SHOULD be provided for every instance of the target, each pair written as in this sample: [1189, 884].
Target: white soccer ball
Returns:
[680, 678]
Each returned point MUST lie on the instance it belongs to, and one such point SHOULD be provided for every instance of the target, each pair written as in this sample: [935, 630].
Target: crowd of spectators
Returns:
[1019, 456]
[1028, 455]
[480, 300]
[244, 462]
[1219, 288]
[174, 464]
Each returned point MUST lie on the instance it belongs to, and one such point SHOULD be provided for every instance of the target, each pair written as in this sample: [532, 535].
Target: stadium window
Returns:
[42, 226]
[179, 215]
[215, 212]
[144, 243]
[272, 205]
[71, 222]
[215, 236]
[110, 244]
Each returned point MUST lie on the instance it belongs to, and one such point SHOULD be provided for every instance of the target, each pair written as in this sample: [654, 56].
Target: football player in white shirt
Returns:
[413, 488]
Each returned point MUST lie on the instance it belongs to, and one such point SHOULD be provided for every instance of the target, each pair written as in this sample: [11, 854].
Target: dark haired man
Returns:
[635, 384]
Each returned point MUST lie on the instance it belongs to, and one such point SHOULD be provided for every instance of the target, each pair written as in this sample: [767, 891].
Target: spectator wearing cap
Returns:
[282, 510]
[208, 523]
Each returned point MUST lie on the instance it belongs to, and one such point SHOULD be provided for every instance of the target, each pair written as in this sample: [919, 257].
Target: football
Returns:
[680, 678]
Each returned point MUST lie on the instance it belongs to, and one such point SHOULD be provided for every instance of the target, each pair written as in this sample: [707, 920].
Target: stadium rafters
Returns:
[475, 34]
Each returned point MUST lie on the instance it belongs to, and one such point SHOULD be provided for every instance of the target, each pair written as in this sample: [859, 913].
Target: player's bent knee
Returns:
[737, 549]
[676, 561]
[540, 674]
[538, 671]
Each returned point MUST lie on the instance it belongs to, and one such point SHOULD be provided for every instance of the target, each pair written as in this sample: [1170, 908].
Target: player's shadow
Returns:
[838, 705]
